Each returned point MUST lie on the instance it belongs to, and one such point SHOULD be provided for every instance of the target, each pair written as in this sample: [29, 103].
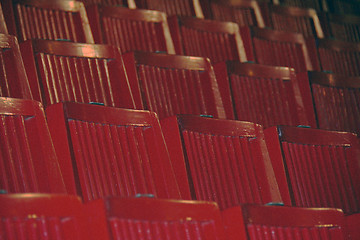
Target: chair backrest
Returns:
[50, 216]
[279, 48]
[64, 71]
[342, 27]
[219, 41]
[318, 5]
[266, 95]
[111, 151]
[242, 12]
[13, 79]
[3, 27]
[227, 161]
[27, 157]
[190, 8]
[336, 99]
[172, 84]
[107, 2]
[344, 7]
[279, 222]
[299, 20]
[319, 168]
[339, 57]
[161, 219]
[52, 20]
[131, 29]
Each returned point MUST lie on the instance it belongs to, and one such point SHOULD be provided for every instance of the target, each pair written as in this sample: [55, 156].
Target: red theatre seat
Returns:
[343, 7]
[160, 219]
[3, 27]
[242, 12]
[64, 71]
[266, 95]
[336, 100]
[219, 41]
[52, 20]
[299, 20]
[107, 151]
[28, 162]
[278, 222]
[227, 161]
[316, 168]
[47, 216]
[191, 8]
[318, 5]
[13, 79]
[131, 29]
[107, 2]
[279, 48]
[339, 57]
[171, 84]
[342, 27]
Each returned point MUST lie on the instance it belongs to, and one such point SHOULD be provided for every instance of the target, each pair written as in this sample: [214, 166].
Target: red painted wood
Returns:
[318, 5]
[299, 20]
[342, 27]
[76, 72]
[121, 27]
[111, 151]
[336, 98]
[149, 218]
[3, 27]
[227, 161]
[171, 84]
[106, 2]
[41, 216]
[27, 157]
[242, 12]
[41, 19]
[219, 41]
[266, 95]
[343, 7]
[13, 79]
[189, 8]
[339, 57]
[278, 48]
[319, 167]
[280, 223]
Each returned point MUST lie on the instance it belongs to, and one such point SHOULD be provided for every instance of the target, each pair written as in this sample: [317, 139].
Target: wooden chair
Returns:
[171, 84]
[242, 12]
[121, 27]
[3, 27]
[219, 41]
[125, 3]
[190, 8]
[51, 20]
[64, 71]
[279, 48]
[339, 57]
[279, 222]
[343, 7]
[226, 161]
[28, 163]
[160, 219]
[266, 95]
[107, 151]
[317, 5]
[336, 100]
[13, 79]
[316, 168]
[341, 27]
[51, 216]
[299, 20]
